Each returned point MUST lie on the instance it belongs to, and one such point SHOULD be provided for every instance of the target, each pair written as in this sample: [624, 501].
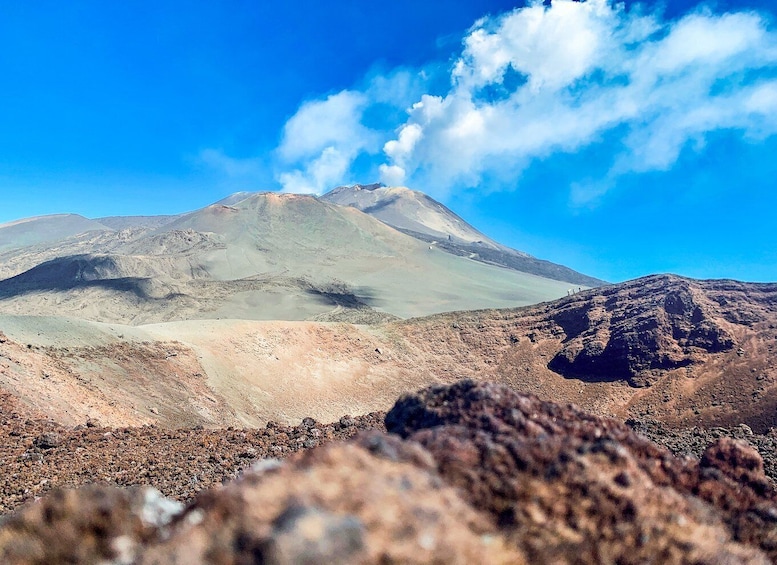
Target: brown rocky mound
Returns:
[682, 351]
[555, 476]
[663, 324]
[481, 474]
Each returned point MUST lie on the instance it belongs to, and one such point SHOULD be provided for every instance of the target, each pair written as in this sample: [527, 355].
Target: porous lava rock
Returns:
[694, 441]
[568, 486]
[90, 525]
[37, 455]
[374, 500]
[471, 473]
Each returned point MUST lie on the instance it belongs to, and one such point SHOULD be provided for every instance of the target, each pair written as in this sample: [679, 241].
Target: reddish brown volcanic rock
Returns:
[37, 455]
[559, 480]
[376, 500]
[616, 337]
[483, 474]
[681, 351]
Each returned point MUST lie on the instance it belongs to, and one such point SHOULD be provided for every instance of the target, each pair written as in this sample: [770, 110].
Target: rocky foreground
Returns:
[468, 473]
[37, 455]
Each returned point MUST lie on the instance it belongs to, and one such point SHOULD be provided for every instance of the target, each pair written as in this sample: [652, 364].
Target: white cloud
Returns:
[398, 150]
[334, 121]
[322, 139]
[551, 47]
[585, 69]
[392, 175]
[325, 171]
[541, 80]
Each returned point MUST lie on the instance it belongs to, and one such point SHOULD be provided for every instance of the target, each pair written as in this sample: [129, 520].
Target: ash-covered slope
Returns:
[416, 214]
[131, 222]
[45, 229]
[266, 256]
[408, 210]
[680, 351]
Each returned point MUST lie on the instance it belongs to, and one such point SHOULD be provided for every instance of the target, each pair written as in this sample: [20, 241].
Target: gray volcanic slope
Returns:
[422, 217]
[45, 229]
[408, 210]
[267, 256]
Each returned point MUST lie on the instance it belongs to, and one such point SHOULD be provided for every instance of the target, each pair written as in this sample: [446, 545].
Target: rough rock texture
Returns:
[376, 500]
[694, 441]
[482, 474]
[682, 351]
[612, 338]
[37, 455]
[85, 526]
[560, 481]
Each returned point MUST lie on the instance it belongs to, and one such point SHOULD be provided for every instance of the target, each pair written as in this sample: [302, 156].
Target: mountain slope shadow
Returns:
[78, 271]
[634, 337]
[340, 294]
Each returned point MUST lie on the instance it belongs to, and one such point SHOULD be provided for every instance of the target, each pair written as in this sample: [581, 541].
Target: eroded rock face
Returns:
[663, 323]
[476, 473]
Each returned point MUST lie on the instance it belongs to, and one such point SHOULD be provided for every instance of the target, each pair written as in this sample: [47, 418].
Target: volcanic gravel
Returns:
[694, 441]
[37, 456]
[470, 473]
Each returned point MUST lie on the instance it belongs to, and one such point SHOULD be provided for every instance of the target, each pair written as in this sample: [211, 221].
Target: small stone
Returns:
[347, 422]
[157, 510]
[49, 440]
[623, 479]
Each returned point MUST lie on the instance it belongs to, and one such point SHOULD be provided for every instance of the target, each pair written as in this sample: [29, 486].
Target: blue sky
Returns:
[620, 140]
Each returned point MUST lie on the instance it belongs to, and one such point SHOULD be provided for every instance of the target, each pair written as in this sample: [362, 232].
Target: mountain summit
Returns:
[416, 214]
[409, 211]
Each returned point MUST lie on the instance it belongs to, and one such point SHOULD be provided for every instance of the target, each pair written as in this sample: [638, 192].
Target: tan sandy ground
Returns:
[232, 372]
[244, 372]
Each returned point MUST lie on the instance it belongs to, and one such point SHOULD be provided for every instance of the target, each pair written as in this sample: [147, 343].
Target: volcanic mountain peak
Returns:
[234, 198]
[422, 217]
[266, 255]
[408, 210]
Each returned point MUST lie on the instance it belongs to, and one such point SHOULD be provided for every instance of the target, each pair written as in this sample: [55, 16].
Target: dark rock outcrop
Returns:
[662, 323]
